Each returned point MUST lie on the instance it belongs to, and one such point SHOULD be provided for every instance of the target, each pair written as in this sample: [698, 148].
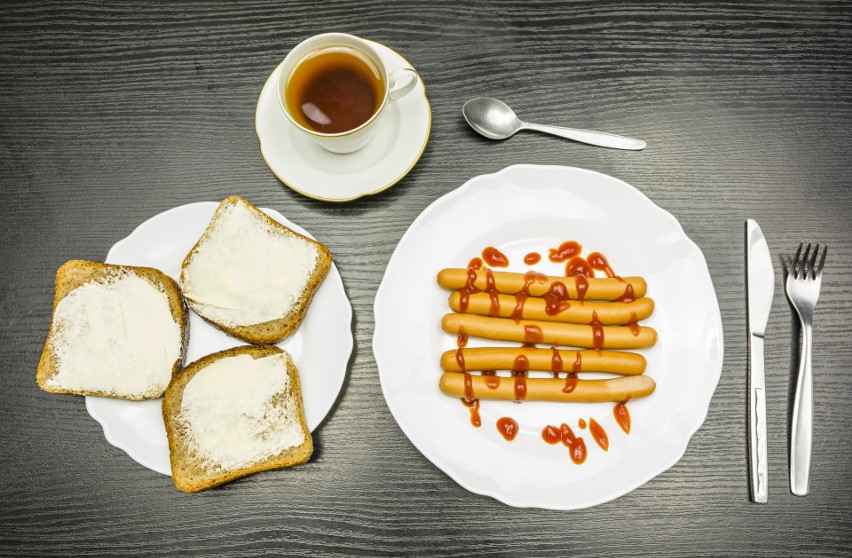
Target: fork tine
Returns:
[797, 263]
[812, 263]
[821, 260]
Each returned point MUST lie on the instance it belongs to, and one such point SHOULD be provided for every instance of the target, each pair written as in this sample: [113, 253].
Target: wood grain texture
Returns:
[113, 112]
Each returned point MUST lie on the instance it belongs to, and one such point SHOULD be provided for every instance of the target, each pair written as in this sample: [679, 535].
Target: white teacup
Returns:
[397, 83]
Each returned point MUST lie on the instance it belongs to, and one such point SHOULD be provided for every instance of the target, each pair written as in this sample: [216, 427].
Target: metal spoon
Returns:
[496, 120]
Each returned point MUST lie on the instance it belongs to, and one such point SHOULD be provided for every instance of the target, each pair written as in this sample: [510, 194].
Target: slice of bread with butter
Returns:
[235, 413]
[251, 276]
[117, 331]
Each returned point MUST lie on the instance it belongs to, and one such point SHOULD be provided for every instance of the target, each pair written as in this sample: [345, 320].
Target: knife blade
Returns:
[760, 281]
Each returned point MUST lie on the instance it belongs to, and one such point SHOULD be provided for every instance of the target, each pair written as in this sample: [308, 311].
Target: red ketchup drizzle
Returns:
[492, 380]
[555, 362]
[581, 423]
[599, 434]
[522, 295]
[462, 343]
[491, 289]
[470, 401]
[532, 334]
[629, 294]
[581, 283]
[508, 428]
[556, 299]
[576, 446]
[634, 327]
[622, 416]
[532, 258]
[597, 332]
[571, 378]
[494, 257]
[598, 261]
[475, 420]
[470, 285]
[520, 299]
[519, 371]
[578, 266]
[565, 251]
[475, 263]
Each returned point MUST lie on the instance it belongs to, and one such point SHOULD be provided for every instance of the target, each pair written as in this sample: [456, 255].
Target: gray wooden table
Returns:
[113, 112]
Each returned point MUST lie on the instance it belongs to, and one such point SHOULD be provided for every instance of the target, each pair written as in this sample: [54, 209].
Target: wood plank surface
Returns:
[113, 112]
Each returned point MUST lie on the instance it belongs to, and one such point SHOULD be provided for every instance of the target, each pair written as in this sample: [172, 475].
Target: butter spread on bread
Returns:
[250, 275]
[119, 332]
[231, 415]
[235, 413]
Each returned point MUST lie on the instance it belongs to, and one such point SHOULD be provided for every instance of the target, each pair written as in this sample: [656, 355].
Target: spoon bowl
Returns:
[496, 120]
[491, 118]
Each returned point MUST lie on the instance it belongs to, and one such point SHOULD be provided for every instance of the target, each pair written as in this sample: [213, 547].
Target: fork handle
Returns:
[803, 416]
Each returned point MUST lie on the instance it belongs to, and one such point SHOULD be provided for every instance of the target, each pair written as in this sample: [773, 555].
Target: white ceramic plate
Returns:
[528, 208]
[312, 171]
[320, 348]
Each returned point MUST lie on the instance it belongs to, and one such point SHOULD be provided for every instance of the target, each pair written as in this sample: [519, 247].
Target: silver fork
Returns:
[804, 277]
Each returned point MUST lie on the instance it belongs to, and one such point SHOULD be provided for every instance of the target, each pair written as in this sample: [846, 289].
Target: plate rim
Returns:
[405, 173]
[349, 344]
[496, 494]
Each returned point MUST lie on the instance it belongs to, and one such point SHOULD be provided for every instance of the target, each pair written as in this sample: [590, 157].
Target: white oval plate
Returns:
[320, 348]
[527, 208]
[317, 173]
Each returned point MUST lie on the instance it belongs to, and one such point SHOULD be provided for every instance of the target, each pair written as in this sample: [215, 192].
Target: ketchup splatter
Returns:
[598, 261]
[599, 434]
[475, 263]
[555, 362]
[519, 370]
[475, 420]
[508, 428]
[533, 334]
[462, 343]
[582, 286]
[571, 378]
[556, 299]
[578, 266]
[532, 258]
[629, 294]
[470, 401]
[570, 382]
[581, 423]
[494, 257]
[492, 380]
[622, 416]
[576, 446]
[597, 332]
[565, 251]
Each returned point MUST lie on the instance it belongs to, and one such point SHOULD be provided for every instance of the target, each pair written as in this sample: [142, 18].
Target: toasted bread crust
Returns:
[272, 331]
[74, 274]
[187, 470]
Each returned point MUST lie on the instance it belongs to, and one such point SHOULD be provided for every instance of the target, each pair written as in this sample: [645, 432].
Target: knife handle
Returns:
[757, 423]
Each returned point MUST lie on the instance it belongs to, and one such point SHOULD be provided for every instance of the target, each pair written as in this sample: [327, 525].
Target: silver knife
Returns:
[761, 290]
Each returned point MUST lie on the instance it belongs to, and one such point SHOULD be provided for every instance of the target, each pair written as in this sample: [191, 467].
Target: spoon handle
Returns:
[601, 139]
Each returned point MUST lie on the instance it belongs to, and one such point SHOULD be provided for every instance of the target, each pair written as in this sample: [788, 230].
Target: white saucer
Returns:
[314, 172]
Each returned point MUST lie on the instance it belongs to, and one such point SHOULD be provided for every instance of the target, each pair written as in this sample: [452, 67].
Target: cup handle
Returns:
[397, 92]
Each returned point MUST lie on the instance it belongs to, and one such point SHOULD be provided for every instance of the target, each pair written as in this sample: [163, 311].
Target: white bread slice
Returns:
[117, 331]
[251, 276]
[235, 413]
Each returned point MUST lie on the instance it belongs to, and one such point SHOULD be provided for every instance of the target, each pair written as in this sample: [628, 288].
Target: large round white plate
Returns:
[527, 208]
[320, 348]
[317, 173]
